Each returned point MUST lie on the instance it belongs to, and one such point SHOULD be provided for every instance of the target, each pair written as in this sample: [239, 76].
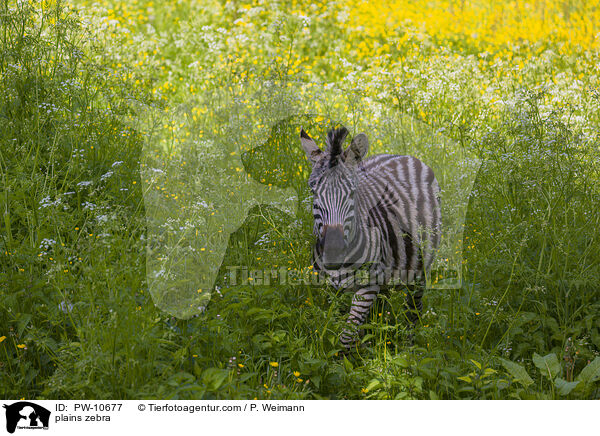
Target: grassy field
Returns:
[137, 136]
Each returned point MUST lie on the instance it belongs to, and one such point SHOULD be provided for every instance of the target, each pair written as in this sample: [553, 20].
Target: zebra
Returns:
[379, 215]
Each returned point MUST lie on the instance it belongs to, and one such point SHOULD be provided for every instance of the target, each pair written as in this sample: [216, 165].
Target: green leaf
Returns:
[400, 361]
[591, 372]
[488, 372]
[564, 387]
[476, 363]
[373, 384]
[22, 322]
[548, 365]
[366, 338]
[465, 378]
[517, 372]
[213, 378]
[348, 365]
[316, 380]
[246, 376]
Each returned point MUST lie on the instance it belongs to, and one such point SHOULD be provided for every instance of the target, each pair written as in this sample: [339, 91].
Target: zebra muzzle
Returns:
[334, 246]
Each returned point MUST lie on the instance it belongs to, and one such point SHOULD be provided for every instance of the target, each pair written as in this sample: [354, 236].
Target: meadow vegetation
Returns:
[514, 84]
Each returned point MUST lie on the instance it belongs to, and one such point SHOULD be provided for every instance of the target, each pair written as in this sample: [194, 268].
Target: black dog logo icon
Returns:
[26, 415]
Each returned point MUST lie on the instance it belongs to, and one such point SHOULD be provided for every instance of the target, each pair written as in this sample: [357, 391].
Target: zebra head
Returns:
[333, 182]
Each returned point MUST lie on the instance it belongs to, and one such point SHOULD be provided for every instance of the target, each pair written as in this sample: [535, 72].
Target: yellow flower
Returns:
[296, 374]
[299, 380]
[274, 364]
[240, 365]
[2, 338]
[21, 346]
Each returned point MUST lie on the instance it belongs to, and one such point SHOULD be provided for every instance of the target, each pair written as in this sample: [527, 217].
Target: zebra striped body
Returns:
[380, 215]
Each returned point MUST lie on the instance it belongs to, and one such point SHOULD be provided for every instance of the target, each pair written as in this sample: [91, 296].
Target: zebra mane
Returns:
[335, 139]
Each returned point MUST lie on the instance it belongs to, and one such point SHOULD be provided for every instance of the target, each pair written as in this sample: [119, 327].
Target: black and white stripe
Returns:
[380, 215]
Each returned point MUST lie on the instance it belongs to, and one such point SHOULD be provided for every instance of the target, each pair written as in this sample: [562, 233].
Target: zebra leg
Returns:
[361, 304]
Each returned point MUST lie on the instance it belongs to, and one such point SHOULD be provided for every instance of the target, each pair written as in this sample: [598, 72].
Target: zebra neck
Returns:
[361, 235]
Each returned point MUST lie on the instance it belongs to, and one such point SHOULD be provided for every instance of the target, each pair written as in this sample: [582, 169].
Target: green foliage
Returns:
[591, 372]
[76, 320]
[548, 365]
[517, 372]
[549, 368]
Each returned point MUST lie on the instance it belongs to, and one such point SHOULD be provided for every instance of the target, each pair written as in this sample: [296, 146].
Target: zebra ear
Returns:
[357, 149]
[313, 152]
